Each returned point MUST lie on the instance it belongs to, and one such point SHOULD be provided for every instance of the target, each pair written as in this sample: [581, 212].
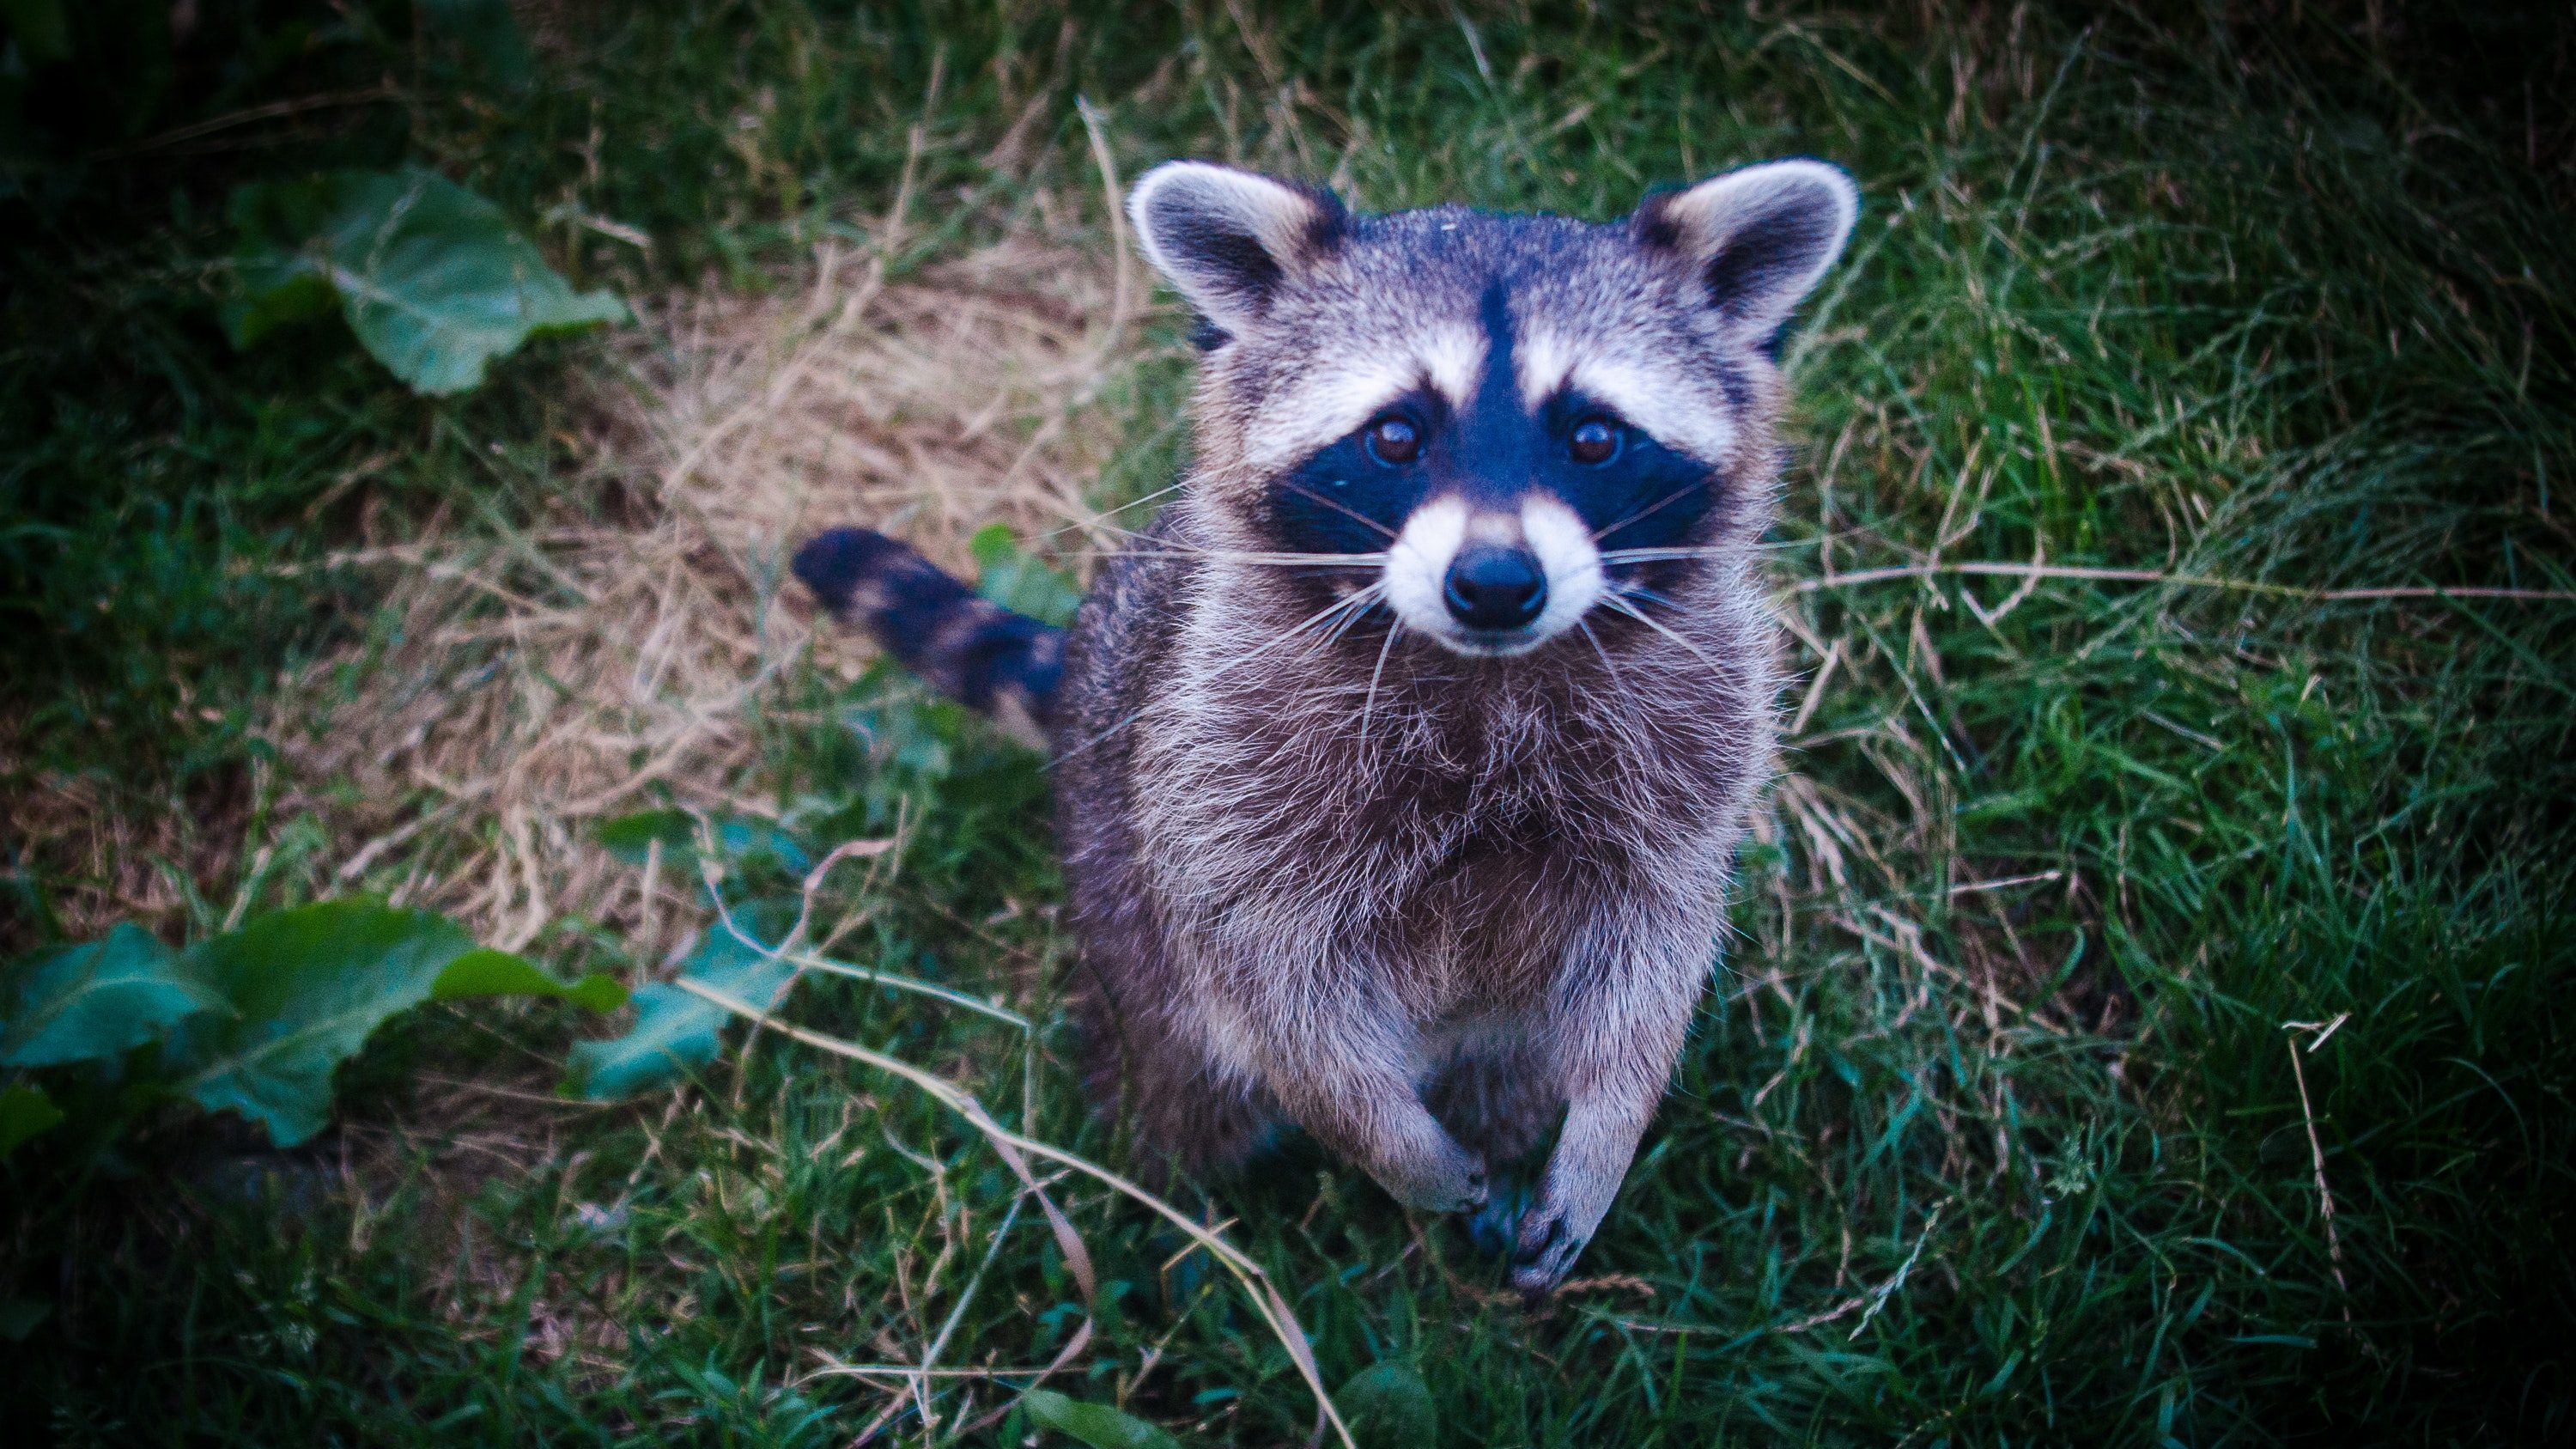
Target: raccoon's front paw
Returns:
[1449, 1179]
[1494, 1226]
[1544, 1250]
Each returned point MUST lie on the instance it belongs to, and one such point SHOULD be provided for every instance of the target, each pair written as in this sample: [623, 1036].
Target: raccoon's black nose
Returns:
[1492, 587]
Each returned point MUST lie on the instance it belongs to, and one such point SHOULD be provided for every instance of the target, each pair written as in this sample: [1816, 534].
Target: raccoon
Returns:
[1402, 760]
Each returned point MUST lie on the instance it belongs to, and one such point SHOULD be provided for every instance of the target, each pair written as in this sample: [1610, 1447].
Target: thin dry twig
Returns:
[2318, 1032]
[2157, 576]
[1014, 1148]
[1878, 1299]
[274, 110]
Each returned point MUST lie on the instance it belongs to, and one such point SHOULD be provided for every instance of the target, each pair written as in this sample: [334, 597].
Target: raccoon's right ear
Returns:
[1228, 239]
[1759, 237]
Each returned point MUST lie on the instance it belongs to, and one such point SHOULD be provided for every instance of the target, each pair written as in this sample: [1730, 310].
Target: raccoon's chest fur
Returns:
[1445, 822]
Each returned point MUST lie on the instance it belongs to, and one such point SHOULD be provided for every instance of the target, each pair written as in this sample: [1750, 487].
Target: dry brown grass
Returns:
[529, 685]
[106, 864]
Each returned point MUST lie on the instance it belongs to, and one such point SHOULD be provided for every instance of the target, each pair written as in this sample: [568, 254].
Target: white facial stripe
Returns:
[1452, 356]
[1327, 405]
[1324, 407]
[1564, 546]
[1417, 565]
[1665, 404]
[1542, 358]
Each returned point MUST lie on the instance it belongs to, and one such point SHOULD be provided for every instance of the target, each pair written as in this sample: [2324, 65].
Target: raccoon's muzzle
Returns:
[986, 657]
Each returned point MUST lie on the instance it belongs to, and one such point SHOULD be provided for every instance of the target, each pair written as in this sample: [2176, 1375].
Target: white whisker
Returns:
[1595, 641]
[1174, 548]
[1651, 555]
[1101, 519]
[1350, 513]
[1640, 591]
[1281, 560]
[1640, 515]
[1394, 628]
[1621, 604]
[1362, 597]
[1367, 599]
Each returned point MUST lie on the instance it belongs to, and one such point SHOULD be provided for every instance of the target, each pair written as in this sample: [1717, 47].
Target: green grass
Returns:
[2285, 303]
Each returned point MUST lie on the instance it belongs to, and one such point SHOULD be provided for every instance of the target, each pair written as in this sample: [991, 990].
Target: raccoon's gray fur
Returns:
[1401, 763]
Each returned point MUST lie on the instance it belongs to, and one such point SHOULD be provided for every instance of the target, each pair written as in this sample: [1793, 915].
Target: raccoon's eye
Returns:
[1393, 440]
[1594, 441]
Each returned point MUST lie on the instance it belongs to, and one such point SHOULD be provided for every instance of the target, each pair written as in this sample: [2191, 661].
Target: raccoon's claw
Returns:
[1544, 1249]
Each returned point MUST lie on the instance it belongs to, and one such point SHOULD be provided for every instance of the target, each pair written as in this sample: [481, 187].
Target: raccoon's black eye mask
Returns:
[1353, 495]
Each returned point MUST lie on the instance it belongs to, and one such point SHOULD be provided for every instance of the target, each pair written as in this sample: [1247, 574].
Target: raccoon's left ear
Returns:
[1229, 239]
[1759, 237]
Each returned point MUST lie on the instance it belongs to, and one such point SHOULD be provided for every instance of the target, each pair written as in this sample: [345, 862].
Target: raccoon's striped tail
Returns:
[989, 658]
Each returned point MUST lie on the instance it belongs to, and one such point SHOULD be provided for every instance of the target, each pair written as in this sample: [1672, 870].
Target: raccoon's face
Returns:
[1491, 424]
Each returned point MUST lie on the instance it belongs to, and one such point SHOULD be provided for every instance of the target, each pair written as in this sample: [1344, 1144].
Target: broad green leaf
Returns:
[676, 1031]
[431, 277]
[306, 987]
[486, 972]
[1018, 581]
[1388, 1406]
[276, 291]
[1097, 1425]
[631, 838]
[25, 1110]
[98, 1000]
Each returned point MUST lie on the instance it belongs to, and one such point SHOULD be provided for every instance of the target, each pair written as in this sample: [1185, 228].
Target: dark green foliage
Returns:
[254, 1020]
[1097, 1425]
[99, 1000]
[1990, 1133]
[676, 1032]
[1389, 1407]
[25, 1110]
[1013, 578]
[430, 276]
